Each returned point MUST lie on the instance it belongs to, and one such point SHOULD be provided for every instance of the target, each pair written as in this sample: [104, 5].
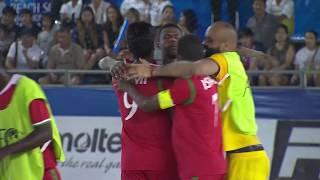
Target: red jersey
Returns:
[196, 130]
[146, 136]
[39, 115]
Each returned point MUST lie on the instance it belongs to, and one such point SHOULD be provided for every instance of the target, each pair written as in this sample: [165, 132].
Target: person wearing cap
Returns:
[26, 54]
[8, 19]
[26, 21]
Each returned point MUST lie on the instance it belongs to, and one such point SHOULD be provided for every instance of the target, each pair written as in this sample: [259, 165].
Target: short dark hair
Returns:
[245, 32]
[314, 33]
[140, 37]
[50, 16]
[10, 10]
[170, 25]
[284, 27]
[26, 11]
[190, 48]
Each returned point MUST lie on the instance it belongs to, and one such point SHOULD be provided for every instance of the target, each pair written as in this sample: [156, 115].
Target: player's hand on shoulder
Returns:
[143, 70]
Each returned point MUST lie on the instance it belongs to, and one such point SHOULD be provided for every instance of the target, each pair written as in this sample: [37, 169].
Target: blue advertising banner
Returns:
[282, 104]
[38, 7]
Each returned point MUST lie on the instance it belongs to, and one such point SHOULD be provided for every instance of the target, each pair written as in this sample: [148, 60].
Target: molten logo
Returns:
[97, 141]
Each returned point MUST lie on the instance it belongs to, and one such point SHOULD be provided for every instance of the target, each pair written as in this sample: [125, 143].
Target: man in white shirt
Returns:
[150, 10]
[99, 8]
[70, 11]
[26, 54]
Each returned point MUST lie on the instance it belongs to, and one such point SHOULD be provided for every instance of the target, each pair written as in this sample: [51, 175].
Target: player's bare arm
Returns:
[147, 104]
[37, 138]
[177, 69]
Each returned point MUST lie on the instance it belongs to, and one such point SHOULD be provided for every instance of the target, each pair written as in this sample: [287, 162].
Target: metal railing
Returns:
[68, 74]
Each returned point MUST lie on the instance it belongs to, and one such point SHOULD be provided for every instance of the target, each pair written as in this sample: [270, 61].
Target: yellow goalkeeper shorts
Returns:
[253, 165]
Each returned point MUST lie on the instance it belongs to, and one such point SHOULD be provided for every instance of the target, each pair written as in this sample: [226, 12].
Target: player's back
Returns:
[146, 136]
[197, 138]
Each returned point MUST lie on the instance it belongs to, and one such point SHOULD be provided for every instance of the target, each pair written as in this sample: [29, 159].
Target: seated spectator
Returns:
[70, 11]
[246, 39]
[4, 44]
[262, 24]
[168, 15]
[8, 19]
[47, 35]
[283, 10]
[132, 15]
[26, 21]
[24, 54]
[2, 6]
[89, 36]
[99, 8]
[188, 21]
[308, 58]
[111, 28]
[156, 11]
[143, 6]
[283, 52]
[64, 55]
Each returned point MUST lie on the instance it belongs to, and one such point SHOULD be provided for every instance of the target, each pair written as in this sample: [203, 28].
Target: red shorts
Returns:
[215, 177]
[148, 175]
[51, 174]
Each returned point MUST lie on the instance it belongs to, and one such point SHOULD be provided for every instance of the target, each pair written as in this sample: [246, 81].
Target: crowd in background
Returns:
[77, 34]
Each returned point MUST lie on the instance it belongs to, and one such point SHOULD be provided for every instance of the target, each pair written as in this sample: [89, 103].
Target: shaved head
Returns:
[221, 37]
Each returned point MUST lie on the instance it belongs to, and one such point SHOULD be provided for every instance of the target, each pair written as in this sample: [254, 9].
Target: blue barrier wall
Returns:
[274, 104]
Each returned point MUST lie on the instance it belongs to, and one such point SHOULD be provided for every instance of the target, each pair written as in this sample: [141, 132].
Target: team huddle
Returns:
[192, 118]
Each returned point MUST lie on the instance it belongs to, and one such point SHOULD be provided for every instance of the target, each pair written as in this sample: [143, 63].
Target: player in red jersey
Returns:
[146, 137]
[196, 135]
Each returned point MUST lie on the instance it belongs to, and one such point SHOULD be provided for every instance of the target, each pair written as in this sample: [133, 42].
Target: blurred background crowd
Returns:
[76, 34]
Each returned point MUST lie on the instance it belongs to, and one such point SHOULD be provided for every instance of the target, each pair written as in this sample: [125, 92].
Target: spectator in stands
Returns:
[283, 52]
[70, 11]
[188, 21]
[150, 10]
[111, 28]
[26, 21]
[262, 24]
[99, 8]
[2, 6]
[246, 39]
[283, 10]
[25, 53]
[168, 15]
[8, 19]
[89, 36]
[64, 55]
[156, 11]
[132, 15]
[307, 58]
[47, 36]
[4, 44]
